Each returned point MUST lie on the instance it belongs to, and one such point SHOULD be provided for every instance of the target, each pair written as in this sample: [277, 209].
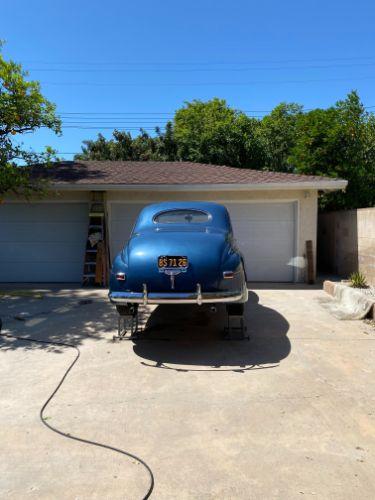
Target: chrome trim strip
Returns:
[175, 298]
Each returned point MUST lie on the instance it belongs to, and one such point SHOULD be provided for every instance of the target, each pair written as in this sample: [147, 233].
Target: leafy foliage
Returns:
[335, 142]
[123, 147]
[212, 132]
[338, 142]
[358, 280]
[279, 132]
[22, 109]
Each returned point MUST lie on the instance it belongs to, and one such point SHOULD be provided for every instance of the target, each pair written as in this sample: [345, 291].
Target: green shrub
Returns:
[358, 280]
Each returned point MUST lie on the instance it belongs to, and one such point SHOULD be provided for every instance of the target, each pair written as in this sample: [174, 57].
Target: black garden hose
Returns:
[64, 434]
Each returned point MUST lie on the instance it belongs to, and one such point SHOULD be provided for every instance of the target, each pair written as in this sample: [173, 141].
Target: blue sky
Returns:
[128, 64]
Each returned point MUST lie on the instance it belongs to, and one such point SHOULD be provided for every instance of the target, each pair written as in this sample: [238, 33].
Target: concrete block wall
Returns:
[366, 243]
[346, 242]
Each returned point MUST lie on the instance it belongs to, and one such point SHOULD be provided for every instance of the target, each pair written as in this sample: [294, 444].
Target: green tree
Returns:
[166, 145]
[122, 146]
[22, 109]
[338, 142]
[212, 132]
[278, 130]
[118, 148]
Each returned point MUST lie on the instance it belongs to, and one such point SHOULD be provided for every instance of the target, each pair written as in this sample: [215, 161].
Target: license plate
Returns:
[172, 261]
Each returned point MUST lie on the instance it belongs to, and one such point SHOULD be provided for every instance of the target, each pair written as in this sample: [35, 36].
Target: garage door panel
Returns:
[42, 242]
[266, 244]
[117, 246]
[45, 212]
[261, 211]
[41, 252]
[256, 250]
[122, 228]
[265, 234]
[24, 232]
[123, 217]
[46, 273]
[264, 231]
[267, 270]
[121, 211]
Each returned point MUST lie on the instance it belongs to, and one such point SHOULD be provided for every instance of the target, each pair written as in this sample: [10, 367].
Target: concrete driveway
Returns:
[289, 414]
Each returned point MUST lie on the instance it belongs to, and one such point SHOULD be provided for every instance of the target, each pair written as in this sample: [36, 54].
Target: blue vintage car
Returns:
[179, 253]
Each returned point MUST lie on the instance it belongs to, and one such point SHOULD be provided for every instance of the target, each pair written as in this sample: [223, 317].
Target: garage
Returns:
[265, 233]
[42, 242]
[273, 214]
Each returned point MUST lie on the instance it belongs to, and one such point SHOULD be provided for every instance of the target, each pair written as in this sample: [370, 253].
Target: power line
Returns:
[204, 84]
[200, 70]
[128, 117]
[108, 127]
[115, 113]
[172, 113]
[113, 122]
[63, 113]
[57, 152]
[99, 127]
[200, 63]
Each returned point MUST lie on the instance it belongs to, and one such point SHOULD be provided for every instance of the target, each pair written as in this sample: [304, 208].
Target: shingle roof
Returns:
[133, 173]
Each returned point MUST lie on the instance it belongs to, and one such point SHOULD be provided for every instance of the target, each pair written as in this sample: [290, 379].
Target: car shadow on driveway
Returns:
[193, 336]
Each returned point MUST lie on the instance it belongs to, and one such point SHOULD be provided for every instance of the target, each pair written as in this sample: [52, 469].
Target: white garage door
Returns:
[265, 233]
[42, 242]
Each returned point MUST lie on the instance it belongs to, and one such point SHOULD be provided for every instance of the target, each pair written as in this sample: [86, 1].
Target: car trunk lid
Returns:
[203, 249]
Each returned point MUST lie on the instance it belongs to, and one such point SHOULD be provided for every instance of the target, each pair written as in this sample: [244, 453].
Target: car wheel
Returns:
[235, 309]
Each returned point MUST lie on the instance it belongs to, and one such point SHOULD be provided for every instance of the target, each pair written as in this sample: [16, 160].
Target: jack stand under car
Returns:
[235, 328]
[127, 322]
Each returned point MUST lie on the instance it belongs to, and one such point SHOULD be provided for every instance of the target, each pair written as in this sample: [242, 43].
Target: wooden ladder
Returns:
[95, 268]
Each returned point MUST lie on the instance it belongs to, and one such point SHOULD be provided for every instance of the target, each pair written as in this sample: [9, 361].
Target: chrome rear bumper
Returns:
[176, 298]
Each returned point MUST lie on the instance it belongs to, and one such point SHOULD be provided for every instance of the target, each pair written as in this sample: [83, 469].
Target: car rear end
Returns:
[184, 256]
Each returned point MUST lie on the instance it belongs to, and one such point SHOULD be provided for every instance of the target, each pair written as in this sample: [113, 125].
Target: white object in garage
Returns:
[42, 242]
[265, 234]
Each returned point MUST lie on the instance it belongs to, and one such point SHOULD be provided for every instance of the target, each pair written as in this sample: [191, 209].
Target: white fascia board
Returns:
[334, 185]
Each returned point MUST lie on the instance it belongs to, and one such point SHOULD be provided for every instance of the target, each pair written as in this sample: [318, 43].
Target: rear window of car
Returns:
[182, 216]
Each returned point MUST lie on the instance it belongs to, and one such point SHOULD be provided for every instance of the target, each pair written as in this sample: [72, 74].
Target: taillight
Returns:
[120, 276]
[228, 275]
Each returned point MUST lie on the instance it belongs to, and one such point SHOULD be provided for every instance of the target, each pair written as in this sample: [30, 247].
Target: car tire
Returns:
[235, 309]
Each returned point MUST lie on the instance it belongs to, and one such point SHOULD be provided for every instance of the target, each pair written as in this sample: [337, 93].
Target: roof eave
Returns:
[329, 185]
